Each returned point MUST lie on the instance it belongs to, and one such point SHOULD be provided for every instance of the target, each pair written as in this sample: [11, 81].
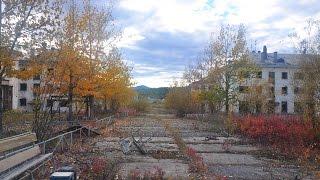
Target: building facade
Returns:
[276, 76]
[21, 94]
[275, 79]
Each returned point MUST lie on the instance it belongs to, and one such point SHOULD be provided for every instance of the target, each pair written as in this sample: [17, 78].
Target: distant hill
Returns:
[156, 93]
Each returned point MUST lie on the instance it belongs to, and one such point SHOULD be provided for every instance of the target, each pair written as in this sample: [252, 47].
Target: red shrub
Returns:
[281, 132]
[99, 165]
[196, 165]
[153, 174]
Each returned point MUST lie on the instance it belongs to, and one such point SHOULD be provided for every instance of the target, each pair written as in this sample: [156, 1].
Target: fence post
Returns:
[44, 147]
[71, 140]
[62, 143]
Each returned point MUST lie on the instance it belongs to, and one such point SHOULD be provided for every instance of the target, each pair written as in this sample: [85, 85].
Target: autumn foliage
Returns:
[288, 134]
[80, 67]
[196, 164]
[156, 173]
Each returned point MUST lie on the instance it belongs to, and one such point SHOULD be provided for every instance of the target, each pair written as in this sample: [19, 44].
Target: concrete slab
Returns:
[218, 148]
[200, 140]
[115, 146]
[230, 159]
[152, 140]
[253, 172]
[136, 157]
[172, 168]
[188, 140]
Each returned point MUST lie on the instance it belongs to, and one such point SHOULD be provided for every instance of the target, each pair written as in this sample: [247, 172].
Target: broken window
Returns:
[36, 77]
[23, 86]
[259, 74]
[23, 102]
[63, 103]
[50, 103]
[271, 91]
[284, 107]
[36, 88]
[272, 77]
[285, 90]
[284, 75]
[243, 89]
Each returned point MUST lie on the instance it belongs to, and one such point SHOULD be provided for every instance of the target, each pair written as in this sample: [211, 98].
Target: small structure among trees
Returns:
[70, 51]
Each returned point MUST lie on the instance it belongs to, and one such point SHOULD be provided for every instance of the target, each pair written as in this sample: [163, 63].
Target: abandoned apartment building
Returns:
[19, 94]
[276, 74]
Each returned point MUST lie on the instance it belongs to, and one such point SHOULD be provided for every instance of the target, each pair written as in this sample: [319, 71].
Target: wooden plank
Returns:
[23, 134]
[17, 141]
[18, 158]
[24, 167]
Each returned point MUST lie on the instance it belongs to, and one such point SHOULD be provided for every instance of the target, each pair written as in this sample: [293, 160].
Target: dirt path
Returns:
[228, 157]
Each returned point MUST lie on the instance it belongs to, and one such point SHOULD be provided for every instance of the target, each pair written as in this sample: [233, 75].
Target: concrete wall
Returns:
[18, 94]
[279, 83]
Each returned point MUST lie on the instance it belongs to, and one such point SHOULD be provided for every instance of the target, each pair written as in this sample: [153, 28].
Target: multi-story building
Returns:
[275, 78]
[6, 94]
[21, 94]
[277, 72]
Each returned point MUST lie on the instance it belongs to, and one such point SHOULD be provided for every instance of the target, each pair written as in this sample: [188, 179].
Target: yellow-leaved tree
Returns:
[80, 67]
[22, 29]
[115, 82]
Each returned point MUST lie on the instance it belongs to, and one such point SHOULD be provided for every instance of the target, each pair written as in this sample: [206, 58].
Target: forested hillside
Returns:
[156, 93]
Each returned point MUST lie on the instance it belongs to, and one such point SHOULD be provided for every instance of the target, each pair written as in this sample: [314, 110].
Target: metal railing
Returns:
[61, 137]
[108, 119]
[44, 144]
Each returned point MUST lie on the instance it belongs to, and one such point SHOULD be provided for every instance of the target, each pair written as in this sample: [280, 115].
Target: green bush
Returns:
[140, 104]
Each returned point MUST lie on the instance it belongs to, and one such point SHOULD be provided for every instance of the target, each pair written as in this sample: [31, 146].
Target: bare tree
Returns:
[24, 25]
[223, 62]
[91, 32]
[307, 79]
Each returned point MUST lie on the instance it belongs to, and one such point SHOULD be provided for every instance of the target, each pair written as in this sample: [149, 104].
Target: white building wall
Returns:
[279, 83]
[17, 94]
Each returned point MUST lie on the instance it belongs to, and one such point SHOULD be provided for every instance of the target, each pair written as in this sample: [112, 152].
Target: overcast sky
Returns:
[161, 37]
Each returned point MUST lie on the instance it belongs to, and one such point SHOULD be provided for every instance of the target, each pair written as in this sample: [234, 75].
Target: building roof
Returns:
[275, 60]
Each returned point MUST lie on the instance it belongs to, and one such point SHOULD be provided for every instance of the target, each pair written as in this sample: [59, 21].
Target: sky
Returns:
[161, 37]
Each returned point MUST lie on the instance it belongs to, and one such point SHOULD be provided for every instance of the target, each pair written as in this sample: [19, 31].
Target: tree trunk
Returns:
[87, 107]
[1, 101]
[0, 23]
[90, 106]
[70, 98]
[89, 103]
[105, 105]
[227, 100]
[1, 109]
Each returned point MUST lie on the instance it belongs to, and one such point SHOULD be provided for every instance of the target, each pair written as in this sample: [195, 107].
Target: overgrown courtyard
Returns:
[177, 148]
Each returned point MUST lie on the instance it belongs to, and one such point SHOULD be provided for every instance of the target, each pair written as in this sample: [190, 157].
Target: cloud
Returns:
[130, 36]
[162, 37]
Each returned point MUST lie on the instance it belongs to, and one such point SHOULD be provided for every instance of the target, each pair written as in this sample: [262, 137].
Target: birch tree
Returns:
[222, 65]
[24, 25]
[307, 79]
